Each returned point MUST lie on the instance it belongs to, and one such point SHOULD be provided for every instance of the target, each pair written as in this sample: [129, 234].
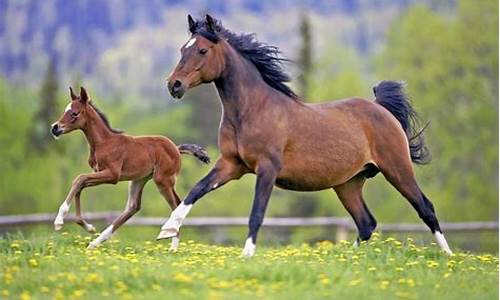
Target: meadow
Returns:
[58, 266]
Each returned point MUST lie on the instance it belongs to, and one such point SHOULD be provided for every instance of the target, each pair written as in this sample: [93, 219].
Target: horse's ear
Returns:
[210, 23]
[191, 24]
[84, 97]
[72, 94]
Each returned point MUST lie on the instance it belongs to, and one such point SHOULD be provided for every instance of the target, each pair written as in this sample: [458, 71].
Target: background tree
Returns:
[47, 109]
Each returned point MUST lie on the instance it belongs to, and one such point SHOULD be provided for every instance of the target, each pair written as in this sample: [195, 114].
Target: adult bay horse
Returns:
[115, 156]
[266, 130]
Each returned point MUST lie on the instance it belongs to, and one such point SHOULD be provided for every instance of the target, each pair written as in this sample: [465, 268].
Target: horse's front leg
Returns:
[82, 181]
[267, 173]
[223, 171]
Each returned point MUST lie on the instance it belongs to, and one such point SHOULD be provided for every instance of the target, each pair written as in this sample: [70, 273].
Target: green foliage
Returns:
[451, 66]
[59, 267]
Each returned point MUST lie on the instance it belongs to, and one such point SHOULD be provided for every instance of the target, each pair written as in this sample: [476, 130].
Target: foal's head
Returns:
[202, 59]
[75, 115]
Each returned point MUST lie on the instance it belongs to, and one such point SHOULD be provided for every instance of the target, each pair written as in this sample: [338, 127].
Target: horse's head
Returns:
[202, 59]
[75, 115]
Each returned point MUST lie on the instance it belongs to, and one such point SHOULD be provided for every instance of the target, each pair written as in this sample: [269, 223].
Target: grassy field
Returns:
[60, 267]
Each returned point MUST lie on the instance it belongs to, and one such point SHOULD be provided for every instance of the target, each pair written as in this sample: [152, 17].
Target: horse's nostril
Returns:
[177, 84]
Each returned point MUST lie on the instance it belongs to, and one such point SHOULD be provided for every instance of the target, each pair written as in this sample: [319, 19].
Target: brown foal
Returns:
[115, 157]
[267, 130]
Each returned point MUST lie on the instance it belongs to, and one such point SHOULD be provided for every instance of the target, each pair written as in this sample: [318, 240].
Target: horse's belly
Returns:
[300, 185]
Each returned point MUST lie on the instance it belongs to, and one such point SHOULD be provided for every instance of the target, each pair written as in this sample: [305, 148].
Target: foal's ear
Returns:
[84, 97]
[210, 23]
[191, 24]
[72, 94]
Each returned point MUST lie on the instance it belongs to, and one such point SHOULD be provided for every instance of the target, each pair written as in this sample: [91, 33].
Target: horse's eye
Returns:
[203, 51]
[74, 114]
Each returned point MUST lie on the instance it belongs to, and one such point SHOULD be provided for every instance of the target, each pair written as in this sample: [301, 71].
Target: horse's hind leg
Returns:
[351, 196]
[401, 176]
[165, 185]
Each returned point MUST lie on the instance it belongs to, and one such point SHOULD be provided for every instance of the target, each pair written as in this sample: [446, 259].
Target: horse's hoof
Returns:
[91, 246]
[58, 226]
[167, 233]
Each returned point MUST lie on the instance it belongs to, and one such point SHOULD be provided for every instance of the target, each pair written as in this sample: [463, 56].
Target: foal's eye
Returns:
[74, 114]
[203, 51]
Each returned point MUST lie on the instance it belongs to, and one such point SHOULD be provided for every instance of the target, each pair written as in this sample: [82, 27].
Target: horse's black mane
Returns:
[267, 59]
[104, 119]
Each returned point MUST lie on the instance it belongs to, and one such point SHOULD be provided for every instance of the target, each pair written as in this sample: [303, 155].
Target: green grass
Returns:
[59, 267]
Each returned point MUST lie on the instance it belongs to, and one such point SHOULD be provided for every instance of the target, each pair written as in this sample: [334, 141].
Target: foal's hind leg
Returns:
[401, 176]
[351, 196]
[165, 185]
[132, 207]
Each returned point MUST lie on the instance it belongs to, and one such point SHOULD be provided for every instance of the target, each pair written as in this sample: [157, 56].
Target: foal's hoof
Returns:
[90, 228]
[58, 226]
[91, 246]
[167, 233]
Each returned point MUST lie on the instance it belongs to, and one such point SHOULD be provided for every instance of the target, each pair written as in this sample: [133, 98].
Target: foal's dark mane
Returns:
[266, 58]
[104, 119]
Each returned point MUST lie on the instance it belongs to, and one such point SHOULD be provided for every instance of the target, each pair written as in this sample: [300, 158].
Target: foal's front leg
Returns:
[82, 181]
[266, 177]
[79, 219]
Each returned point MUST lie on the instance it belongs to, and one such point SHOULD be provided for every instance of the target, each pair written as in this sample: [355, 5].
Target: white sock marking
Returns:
[105, 235]
[175, 243]
[63, 211]
[249, 249]
[177, 216]
[190, 43]
[442, 242]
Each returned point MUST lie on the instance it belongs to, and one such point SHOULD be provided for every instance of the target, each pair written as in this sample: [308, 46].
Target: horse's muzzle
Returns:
[56, 130]
[176, 89]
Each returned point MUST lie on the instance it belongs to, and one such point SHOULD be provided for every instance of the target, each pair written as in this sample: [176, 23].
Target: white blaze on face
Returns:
[190, 43]
[68, 107]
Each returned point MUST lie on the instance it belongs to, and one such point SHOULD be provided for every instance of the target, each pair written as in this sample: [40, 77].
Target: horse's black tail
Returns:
[196, 151]
[391, 95]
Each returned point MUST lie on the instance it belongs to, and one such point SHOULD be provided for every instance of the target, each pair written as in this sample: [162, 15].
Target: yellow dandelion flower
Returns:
[44, 289]
[372, 269]
[33, 263]
[384, 284]
[354, 282]
[377, 250]
[5, 293]
[181, 277]
[399, 269]
[25, 296]
[78, 293]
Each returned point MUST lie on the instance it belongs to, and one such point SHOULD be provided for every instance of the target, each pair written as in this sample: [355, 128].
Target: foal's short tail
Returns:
[196, 151]
[391, 95]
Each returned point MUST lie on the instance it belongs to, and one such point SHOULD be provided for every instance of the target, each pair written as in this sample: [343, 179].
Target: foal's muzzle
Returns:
[176, 88]
[56, 130]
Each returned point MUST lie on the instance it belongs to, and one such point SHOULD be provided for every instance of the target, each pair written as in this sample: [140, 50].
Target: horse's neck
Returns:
[96, 131]
[241, 87]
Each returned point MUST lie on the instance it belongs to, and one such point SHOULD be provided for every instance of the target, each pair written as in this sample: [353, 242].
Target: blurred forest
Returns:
[122, 51]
